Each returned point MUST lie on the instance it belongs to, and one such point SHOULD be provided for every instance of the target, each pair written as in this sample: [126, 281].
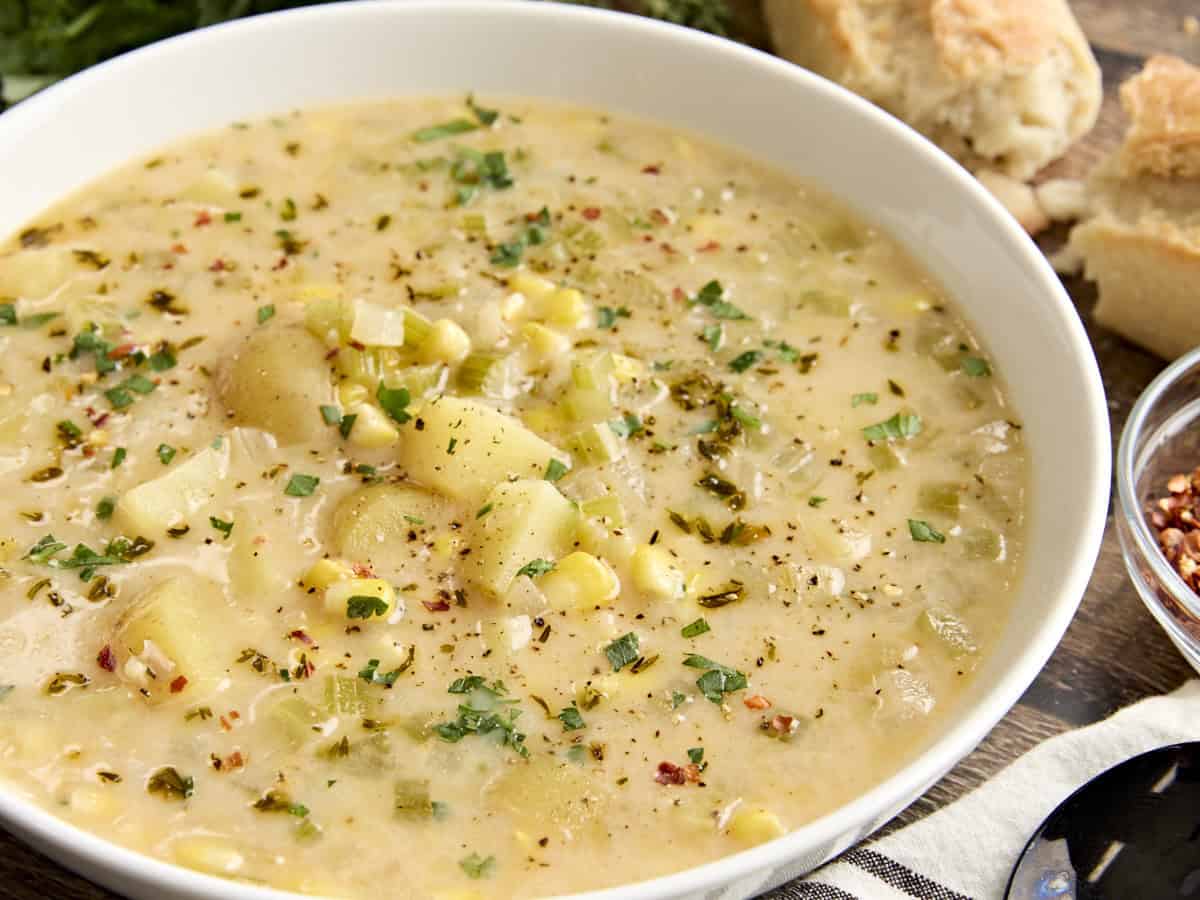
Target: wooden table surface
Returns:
[1114, 653]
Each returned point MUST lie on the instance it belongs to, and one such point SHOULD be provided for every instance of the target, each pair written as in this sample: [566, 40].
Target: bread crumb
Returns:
[1062, 199]
[1018, 198]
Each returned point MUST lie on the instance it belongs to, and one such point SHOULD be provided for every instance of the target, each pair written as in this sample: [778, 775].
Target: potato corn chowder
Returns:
[568, 498]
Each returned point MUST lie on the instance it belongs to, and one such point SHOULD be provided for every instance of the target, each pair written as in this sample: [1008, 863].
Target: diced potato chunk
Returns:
[154, 506]
[254, 562]
[186, 620]
[372, 429]
[35, 273]
[489, 447]
[546, 793]
[277, 381]
[755, 825]
[580, 581]
[524, 521]
[655, 573]
[207, 853]
[372, 525]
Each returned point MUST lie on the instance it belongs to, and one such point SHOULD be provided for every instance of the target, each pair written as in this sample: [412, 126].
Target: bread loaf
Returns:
[1141, 241]
[1005, 85]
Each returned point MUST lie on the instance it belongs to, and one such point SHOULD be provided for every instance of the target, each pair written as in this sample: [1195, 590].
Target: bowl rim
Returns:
[1130, 456]
[963, 731]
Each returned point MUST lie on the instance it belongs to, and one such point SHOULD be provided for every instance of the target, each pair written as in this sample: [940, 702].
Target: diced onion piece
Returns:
[580, 581]
[377, 326]
[546, 343]
[488, 374]
[595, 446]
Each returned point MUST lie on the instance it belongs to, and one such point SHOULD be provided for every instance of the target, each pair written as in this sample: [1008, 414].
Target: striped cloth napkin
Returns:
[966, 850]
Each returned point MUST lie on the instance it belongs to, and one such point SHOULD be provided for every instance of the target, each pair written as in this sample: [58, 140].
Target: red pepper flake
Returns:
[225, 724]
[652, 170]
[301, 636]
[667, 248]
[678, 294]
[647, 239]
[758, 701]
[106, 660]
[98, 420]
[671, 774]
[234, 714]
[89, 451]
[709, 247]
[202, 219]
[178, 684]
[179, 248]
[218, 265]
[782, 724]
[362, 570]
[282, 264]
[591, 213]
[436, 605]
[122, 351]
[659, 217]
[332, 354]
[234, 760]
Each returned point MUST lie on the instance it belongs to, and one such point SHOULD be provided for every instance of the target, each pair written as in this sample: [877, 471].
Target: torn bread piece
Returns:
[1018, 198]
[1141, 243]
[1004, 85]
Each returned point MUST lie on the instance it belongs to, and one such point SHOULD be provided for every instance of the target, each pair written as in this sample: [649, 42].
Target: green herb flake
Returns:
[898, 427]
[865, 399]
[170, 785]
[695, 629]
[816, 500]
[485, 116]
[712, 297]
[118, 457]
[394, 402]
[444, 130]
[571, 718]
[484, 510]
[331, 415]
[555, 470]
[717, 680]
[622, 651]
[626, 426]
[746, 360]
[8, 314]
[347, 424]
[301, 485]
[226, 528]
[162, 360]
[233, 216]
[606, 316]
[363, 607]
[265, 313]
[166, 453]
[714, 336]
[105, 508]
[924, 532]
[119, 398]
[477, 866]
[288, 211]
[536, 568]
[976, 367]
[696, 755]
[508, 255]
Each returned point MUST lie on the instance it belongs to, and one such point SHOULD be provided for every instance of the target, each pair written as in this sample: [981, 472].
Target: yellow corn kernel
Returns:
[447, 342]
[546, 343]
[755, 825]
[566, 307]
[318, 290]
[534, 287]
[372, 429]
[337, 596]
[626, 368]
[579, 581]
[326, 572]
[655, 573]
[206, 853]
[350, 394]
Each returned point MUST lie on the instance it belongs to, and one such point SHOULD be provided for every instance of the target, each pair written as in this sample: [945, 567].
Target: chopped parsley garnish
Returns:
[394, 402]
[745, 360]
[166, 453]
[116, 552]
[332, 415]
[371, 674]
[696, 755]
[677, 699]
[536, 568]
[485, 116]
[717, 680]
[168, 783]
[69, 432]
[347, 425]
[288, 212]
[898, 427]
[697, 628]
[8, 314]
[233, 216]
[484, 510]
[924, 532]
[226, 528]
[265, 313]
[119, 398]
[444, 130]
[450, 447]
[606, 316]
[301, 485]
[486, 712]
[571, 718]
[816, 500]
[508, 255]
[712, 297]
[786, 351]
[622, 651]
[363, 607]
[555, 470]
[118, 457]
[976, 367]
[477, 866]
[89, 341]
[626, 426]
[473, 170]
[864, 399]
[161, 360]
[714, 336]
[105, 508]
[139, 384]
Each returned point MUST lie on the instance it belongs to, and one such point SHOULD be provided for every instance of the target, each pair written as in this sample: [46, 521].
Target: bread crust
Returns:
[1163, 103]
[1005, 85]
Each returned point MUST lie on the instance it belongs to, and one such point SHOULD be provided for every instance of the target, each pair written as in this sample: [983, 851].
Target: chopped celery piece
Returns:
[942, 345]
[838, 237]
[983, 543]
[607, 508]
[594, 446]
[589, 396]
[950, 630]
[296, 718]
[582, 240]
[345, 696]
[411, 799]
[416, 328]
[827, 303]
[479, 370]
[329, 320]
[367, 367]
[474, 224]
[421, 382]
[942, 497]
[886, 457]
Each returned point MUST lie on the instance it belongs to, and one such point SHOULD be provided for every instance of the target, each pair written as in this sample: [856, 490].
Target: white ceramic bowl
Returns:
[78, 130]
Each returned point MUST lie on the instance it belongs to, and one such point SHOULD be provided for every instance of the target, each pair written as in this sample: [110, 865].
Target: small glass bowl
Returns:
[1161, 439]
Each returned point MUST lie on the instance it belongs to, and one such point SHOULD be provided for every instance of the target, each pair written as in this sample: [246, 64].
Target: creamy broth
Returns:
[562, 498]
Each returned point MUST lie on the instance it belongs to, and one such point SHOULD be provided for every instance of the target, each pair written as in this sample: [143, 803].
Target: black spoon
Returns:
[1131, 833]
